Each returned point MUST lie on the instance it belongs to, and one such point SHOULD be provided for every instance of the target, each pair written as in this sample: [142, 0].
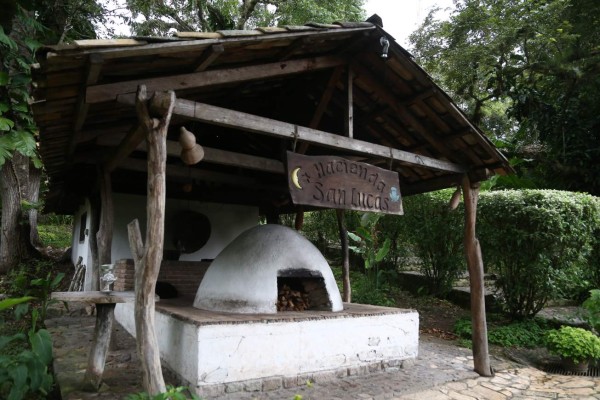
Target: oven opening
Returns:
[300, 290]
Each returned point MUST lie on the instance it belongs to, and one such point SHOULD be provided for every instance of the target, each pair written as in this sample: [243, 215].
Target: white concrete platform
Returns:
[212, 349]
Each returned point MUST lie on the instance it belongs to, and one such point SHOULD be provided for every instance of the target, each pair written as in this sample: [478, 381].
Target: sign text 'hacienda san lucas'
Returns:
[335, 182]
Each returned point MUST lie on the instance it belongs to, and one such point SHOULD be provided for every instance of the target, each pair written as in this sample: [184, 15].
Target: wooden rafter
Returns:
[94, 68]
[323, 103]
[111, 91]
[208, 57]
[136, 135]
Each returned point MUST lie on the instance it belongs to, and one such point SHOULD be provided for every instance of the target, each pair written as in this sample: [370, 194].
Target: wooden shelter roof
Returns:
[248, 96]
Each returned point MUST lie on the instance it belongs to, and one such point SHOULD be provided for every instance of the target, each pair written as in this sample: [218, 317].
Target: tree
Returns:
[157, 17]
[18, 158]
[21, 33]
[527, 72]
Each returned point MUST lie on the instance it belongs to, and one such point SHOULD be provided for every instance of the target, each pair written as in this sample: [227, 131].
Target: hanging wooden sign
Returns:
[334, 182]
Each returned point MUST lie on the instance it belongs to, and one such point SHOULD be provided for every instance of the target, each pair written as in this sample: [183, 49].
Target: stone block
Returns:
[290, 382]
[234, 387]
[254, 385]
[273, 383]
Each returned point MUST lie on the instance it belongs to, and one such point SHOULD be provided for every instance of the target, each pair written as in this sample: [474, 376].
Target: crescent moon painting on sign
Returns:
[295, 178]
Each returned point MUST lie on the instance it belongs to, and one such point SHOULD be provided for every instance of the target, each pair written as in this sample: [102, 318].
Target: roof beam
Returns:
[110, 91]
[266, 126]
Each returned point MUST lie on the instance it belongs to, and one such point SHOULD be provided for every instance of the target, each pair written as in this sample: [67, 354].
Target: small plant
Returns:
[576, 344]
[24, 368]
[369, 245]
[592, 310]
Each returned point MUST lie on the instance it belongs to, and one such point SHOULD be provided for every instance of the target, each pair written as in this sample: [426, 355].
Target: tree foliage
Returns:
[157, 17]
[528, 72]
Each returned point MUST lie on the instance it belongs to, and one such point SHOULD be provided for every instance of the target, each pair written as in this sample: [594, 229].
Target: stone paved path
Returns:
[442, 371]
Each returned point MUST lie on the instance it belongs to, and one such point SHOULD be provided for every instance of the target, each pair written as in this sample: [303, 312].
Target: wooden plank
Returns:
[334, 182]
[198, 35]
[252, 123]
[239, 33]
[94, 297]
[193, 45]
[107, 43]
[110, 92]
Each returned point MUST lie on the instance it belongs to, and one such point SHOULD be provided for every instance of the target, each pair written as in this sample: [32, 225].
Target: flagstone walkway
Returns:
[442, 371]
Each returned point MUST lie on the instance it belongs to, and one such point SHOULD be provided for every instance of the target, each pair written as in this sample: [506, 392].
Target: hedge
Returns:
[540, 242]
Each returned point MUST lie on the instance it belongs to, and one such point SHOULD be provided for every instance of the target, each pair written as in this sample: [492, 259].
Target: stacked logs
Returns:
[292, 300]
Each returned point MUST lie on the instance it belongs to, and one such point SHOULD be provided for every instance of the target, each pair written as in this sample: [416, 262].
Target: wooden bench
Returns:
[105, 316]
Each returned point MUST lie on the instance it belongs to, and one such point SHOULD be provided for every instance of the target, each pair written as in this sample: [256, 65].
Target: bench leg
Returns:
[104, 325]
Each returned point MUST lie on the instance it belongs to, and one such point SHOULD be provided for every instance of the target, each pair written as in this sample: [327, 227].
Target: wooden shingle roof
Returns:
[295, 75]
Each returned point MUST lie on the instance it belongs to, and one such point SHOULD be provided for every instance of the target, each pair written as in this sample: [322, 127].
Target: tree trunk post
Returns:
[347, 289]
[97, 357]
[481, 356]
[105, 226]
[148, 257]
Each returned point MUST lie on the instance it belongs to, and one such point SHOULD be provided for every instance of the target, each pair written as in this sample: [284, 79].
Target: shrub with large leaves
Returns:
[25, 372]
[435, 234]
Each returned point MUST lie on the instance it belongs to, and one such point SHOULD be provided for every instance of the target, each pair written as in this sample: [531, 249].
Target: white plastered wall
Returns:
[227, 222]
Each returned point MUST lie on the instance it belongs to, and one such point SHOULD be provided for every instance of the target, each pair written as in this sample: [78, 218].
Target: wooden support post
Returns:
[347, 290]
[105, 230]
[100, 345]
[350, 117]
[481, 356]
[148, 257]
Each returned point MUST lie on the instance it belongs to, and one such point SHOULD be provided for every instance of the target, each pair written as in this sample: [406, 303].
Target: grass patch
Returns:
[56, 236]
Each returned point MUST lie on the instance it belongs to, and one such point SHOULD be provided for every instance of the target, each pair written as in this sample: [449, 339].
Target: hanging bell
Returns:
[191, 152]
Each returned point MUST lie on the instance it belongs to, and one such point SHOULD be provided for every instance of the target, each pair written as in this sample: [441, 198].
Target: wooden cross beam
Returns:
[252, 123]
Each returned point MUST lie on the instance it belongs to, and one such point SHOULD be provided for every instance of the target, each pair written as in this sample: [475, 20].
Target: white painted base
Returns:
[218, 351]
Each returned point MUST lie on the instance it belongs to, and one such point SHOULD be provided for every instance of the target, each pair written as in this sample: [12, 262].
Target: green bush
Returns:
[539, 242]
[576, 344]
[435, 234]
[527, 333]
